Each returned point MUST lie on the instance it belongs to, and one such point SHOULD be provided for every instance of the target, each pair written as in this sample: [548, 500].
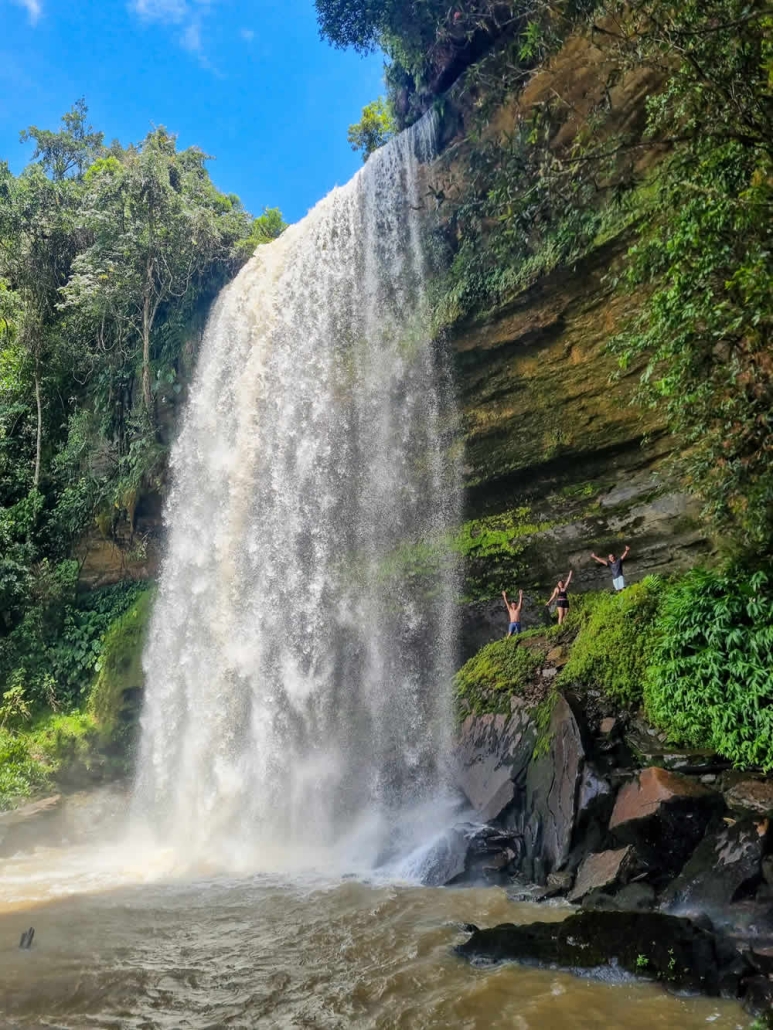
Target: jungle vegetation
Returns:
[109, 258]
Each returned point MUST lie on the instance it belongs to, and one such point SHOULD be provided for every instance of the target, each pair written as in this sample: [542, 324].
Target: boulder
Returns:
[648, 944]
[665, 815]
[751, 797]
[635, 897]
[726, 865]
[653, 788]
[603, 869]
[494, 752]
[469, 854]
[547, 811]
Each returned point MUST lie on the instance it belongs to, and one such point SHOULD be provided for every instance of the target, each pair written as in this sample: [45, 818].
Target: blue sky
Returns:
[249, 82]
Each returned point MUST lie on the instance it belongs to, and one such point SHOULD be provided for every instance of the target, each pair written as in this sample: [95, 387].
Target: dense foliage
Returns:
[710, 679]
[611, 649]
[706, 260]
[109, 257]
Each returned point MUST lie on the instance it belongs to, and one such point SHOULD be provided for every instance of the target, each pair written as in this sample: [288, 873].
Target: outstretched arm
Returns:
[550, 600]
[626, 552]
[601, 561]
[520, 598]
[507, 603]
[568, 579]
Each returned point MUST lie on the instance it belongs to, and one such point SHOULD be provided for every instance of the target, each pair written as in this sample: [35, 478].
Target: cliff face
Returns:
[559, 459]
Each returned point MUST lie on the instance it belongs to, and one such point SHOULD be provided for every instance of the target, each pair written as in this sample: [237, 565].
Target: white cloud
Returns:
[191, 37]
[33, 8]
[186, 14]
[170, 11]
[247, 34]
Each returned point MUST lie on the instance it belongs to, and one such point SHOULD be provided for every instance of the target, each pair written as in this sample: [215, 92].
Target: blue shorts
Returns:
[618, 583]
[513, 629]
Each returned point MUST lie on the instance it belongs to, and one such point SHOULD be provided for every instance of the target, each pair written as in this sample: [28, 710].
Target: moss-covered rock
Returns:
[502, 670]
[118, 687]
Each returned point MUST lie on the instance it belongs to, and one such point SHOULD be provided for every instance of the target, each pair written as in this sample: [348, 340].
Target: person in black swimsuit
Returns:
[559, 595]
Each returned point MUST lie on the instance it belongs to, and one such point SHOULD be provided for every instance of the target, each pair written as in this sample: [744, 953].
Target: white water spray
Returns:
[302, 647]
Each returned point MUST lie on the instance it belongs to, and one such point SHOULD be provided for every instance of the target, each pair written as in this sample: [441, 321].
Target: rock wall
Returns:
[594, 818]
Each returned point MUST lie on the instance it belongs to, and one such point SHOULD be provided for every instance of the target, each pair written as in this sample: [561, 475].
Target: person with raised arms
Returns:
[514, 611]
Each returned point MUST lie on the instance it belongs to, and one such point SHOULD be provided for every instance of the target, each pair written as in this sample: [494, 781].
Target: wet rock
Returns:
[603, 869]
[557, 656]
[649, 792]
[725, 866]
[751, 797]
[469, 854]
[767, 869]
[494, 752]
[665, 815]
[607, 726]
[648, 944]
[546, 818]
[560, 882]
[635, 897]
[758, 997]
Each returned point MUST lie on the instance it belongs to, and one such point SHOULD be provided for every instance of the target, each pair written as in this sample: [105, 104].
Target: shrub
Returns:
[710, 680]
[498, 671]
[20, 774]
[610, 651]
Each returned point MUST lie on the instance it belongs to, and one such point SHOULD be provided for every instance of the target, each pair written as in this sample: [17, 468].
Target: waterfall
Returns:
[301, 651]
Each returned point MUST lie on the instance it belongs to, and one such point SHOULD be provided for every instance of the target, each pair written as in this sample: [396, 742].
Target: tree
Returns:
[704, 261]
[158, 227]
[375, 128]
[37, 246]
[68, 152]
[264, 229]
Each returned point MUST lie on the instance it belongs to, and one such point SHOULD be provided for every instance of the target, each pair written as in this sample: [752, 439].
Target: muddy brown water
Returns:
[124, 942]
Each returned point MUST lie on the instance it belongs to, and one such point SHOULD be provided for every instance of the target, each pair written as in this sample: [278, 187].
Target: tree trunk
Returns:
[39, 440]
[146, 326]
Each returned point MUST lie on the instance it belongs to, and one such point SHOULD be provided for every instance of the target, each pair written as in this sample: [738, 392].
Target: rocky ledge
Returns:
[602, 812]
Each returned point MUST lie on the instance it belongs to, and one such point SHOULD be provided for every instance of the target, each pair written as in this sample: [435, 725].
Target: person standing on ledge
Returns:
[514, 611]
[561, 599]
[615, 565]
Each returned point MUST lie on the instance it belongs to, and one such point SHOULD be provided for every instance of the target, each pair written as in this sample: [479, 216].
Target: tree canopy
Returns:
[109, 258]
[375, 128]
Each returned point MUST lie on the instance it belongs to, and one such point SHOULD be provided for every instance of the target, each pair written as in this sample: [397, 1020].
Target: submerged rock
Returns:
[657, 947]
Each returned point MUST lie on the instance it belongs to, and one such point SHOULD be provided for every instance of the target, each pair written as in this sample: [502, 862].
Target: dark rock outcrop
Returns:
[494, 752]
[665, 815]
[725, 867]
[544, 808]
[673, 951]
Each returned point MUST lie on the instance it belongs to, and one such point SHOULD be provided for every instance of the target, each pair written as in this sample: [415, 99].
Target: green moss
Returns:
[120, 674]
[499, 671]
[492, 550]
[614, 635]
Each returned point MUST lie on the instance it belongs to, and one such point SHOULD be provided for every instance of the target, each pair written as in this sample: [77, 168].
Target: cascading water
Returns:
[301, 651]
